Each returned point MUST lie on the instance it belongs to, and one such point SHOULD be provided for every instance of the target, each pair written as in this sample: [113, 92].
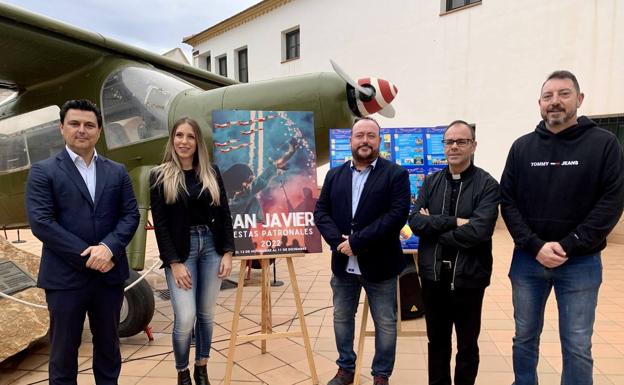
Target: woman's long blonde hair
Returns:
[171, 175]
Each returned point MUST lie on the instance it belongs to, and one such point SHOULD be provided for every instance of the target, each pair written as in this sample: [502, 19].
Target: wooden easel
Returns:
[266, 328]
[400, 332]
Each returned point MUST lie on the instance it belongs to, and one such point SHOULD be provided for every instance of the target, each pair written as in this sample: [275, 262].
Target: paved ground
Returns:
[285, 363]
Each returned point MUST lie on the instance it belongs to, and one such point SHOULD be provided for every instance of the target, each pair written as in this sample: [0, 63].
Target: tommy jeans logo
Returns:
[555, 164]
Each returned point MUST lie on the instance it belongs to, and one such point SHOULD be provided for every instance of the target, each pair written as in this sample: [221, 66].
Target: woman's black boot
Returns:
[200, 374]
[184, 377]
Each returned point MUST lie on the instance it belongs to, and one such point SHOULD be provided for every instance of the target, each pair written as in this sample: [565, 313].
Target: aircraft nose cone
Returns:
[385, 93]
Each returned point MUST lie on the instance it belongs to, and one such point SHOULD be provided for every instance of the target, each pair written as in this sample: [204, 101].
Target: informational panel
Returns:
[268, 164]
[14, 279]
[418, 149]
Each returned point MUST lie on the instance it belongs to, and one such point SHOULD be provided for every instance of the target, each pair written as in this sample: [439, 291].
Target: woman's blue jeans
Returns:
[576, 285]
[195, 308]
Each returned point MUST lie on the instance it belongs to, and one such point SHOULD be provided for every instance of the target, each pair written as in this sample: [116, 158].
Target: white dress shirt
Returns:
[86, 172]
[358, 180]
[88, 175]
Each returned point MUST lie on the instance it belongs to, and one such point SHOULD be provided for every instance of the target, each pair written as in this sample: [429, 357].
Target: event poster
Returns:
[418, 149]
[268, 165]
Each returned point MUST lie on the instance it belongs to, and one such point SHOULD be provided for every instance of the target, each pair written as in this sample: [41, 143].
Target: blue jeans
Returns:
[576, 285]
[195, 308]
[383, 308]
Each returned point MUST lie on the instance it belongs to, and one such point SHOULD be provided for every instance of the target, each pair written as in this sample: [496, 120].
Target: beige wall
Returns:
[484, 64]
[617, 235]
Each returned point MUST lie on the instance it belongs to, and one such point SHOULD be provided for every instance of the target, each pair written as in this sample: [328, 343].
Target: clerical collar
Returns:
[461, 176]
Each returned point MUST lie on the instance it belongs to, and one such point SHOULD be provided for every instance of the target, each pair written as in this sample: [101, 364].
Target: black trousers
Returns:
[68, 308]
[443, 309]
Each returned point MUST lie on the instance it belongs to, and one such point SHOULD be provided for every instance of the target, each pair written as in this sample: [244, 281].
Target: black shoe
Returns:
[200, 375]
[380, 380]
[343, 377]
[184, 377]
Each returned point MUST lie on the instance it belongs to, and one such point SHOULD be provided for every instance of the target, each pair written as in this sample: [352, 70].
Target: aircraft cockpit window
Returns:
[13, 154]
[29, 138]
[7, 93]
[136, 103]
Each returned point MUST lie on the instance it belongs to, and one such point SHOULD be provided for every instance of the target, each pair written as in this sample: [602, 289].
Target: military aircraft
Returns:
[46, 62]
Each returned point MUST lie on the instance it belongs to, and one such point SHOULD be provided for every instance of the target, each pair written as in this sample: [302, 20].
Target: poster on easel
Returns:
[417, 149]
[268, 165]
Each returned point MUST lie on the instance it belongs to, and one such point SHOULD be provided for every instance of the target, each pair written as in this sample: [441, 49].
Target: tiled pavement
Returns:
[285, 363]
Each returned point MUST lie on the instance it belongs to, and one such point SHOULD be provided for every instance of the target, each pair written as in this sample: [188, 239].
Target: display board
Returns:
[418, 149]
[268, 164]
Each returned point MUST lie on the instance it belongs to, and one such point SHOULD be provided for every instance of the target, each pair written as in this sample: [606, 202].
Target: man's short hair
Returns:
[563, 74]
[82, 105]
[366, 118]
[459, 121]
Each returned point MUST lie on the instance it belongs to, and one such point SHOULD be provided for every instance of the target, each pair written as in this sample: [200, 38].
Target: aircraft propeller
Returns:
[370, 94]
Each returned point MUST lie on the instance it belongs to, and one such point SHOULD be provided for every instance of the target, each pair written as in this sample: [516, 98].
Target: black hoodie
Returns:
[566, 187]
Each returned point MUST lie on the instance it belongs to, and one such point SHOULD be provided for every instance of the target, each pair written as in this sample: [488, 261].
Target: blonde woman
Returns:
[195, 240]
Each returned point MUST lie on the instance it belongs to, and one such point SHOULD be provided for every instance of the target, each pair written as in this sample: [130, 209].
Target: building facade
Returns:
[480, 61]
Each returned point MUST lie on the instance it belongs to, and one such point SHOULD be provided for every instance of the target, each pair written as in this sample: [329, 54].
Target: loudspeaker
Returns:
[410, 294]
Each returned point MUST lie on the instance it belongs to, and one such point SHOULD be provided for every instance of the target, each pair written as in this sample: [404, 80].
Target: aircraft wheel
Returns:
[137, 309]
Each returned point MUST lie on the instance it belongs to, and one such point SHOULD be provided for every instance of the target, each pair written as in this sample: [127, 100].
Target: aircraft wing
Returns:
[35, 49]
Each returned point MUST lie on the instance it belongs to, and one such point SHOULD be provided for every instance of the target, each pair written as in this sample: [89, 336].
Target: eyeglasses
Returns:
[459, 142]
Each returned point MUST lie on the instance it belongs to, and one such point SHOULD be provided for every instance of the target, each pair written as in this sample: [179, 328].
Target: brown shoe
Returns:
[380, 380]
[343, 377]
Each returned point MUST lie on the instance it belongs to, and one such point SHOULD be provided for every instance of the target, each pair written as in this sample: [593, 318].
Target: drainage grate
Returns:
[164, 294]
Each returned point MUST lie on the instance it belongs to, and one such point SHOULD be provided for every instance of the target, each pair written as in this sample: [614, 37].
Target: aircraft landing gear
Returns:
[137, 309]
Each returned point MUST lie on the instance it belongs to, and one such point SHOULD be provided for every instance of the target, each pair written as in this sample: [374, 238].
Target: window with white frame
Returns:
[290, 44]
[456, 4]
[242, 65]
[222, 65]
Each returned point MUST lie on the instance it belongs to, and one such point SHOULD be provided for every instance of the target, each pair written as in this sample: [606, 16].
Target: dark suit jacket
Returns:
[171, 223]
[64, 217]
[374, 229]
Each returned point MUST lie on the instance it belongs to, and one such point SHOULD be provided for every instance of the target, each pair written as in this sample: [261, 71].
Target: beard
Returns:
[563, 117]
[373, 154]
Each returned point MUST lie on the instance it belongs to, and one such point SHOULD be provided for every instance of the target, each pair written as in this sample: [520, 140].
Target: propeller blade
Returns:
[367, 92]
[383, 94]
[388, 111]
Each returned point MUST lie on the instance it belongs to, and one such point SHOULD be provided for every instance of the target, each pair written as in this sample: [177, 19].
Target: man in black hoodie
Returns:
[562, 193]
[454, 216]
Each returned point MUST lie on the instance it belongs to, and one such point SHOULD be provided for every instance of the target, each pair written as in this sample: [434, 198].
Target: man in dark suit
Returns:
[82, 207]
[362, 207]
